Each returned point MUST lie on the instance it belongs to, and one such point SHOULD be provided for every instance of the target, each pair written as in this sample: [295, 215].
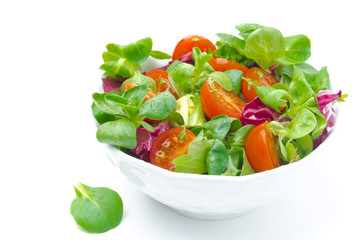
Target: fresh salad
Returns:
[245, 104]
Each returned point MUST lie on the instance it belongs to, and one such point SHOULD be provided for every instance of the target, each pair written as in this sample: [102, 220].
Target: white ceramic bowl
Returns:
[212, 197]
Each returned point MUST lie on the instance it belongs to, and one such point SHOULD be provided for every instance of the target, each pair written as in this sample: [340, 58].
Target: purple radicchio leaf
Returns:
[256, 112]
[273, 68]
[325, 99]
[145, 139]
[112, 84]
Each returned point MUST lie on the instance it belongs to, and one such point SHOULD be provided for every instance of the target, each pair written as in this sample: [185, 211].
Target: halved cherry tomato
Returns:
[150, 92]
[222, 65]
[188, 43]
[215, 100]
[167, 147]
[260, 149]
[162, 82]
[259, 75]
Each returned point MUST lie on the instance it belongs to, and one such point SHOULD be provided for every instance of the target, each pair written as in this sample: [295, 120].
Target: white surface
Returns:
[50, 52]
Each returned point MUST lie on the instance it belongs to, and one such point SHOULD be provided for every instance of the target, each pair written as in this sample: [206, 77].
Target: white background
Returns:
[50, 52]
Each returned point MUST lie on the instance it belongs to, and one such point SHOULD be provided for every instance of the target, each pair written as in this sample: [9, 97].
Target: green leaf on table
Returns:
[96, 210]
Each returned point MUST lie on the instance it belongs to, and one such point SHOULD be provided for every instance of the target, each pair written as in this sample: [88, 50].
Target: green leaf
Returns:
[121, 133]
[299, 88]
[321, 122]
[102, 117]
[273, 97]
[110, 57]
[265, 45]
[159, 55]
[245, 29]
[218, 127]
[137, 52]
[222, 79]
[119, 68]
[177, 118]
[240, 136]
[321, 81]
[217, 158]
[227, 51]
[303, 123]
[96, 210]
[292, 154]
[147, 126]
[195, 160]
[298, 50]
[110, 108]
[140, 79]
[236, 79]
[237, 43]
[158, 107]
[305, 144]
[246, 169]
[309, 71]
[235, 161]
[180, 78]
[136, 95]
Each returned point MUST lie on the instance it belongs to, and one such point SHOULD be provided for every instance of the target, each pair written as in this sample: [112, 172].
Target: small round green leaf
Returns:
[96, 210]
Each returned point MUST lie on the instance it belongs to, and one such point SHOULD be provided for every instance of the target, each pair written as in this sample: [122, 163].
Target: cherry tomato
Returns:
[188, 43]
[222, 65]
[260, 149]
[162, 82]
[167, 147]
[215, 100]
[258, 75]
[150, 92]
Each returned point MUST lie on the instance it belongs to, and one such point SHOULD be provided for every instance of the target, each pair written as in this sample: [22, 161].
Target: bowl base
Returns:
[212, 216]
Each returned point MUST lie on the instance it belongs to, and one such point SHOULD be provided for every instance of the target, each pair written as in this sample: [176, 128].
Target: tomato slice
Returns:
[215, 100]
[150, 92]
[162, 82]
[256, 75]
[167, 147]
[260, 149]
[186, 45]
[222, 65]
